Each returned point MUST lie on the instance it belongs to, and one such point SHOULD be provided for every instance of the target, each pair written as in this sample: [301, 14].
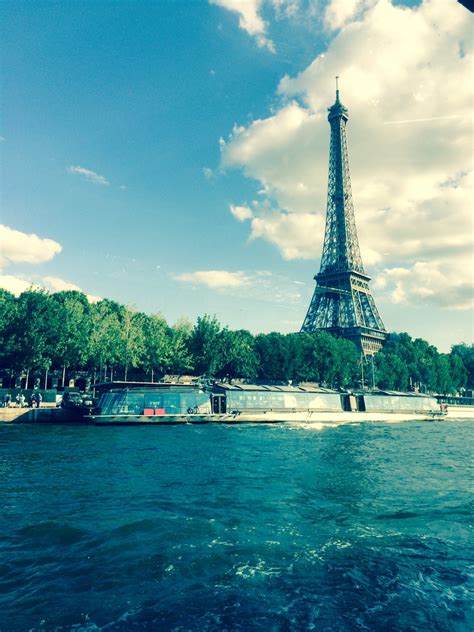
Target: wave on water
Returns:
[49, 533]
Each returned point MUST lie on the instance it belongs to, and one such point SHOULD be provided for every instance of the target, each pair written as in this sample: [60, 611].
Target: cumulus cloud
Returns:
[19, 247]
[423, 282]
[16, 285]
[411, 179]
[339, 12]
[296, 235]
[89, 175]
[241, 212]
[215, 279]
[56, 284]
[259, 285]
[250, 19]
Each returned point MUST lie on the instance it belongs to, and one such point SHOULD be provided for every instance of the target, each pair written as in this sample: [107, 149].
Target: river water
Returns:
[270, 527]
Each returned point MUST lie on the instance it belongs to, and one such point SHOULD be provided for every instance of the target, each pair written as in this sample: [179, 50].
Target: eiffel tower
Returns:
[342, 303]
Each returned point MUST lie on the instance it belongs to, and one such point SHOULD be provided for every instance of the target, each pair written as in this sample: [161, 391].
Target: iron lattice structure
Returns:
[342, 303]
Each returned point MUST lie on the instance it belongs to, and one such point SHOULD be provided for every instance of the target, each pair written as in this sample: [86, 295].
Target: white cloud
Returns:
[241, 212]
[56, 284]
[296, 235]
[215, 279]
[19, 247]
[89, 175]
[259, 285]
[250, 19]
[412, 183]
[435, 283]
[339, 12]
[17, 285]
[208, 173]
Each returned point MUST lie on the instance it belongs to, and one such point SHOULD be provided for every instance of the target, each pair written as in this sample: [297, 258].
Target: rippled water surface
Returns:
[356, 527]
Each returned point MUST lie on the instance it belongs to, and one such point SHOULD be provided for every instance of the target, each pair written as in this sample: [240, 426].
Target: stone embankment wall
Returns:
[48, 414]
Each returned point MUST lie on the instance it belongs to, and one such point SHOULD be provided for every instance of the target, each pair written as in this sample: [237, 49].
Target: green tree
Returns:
[36, 331]
[458, 371]
[391, 372]
[8, 329]
[104, 339]
[301, 358]
[325, 357]
[444, 378]
[158, 347]
[74, 329]
[181, 359]
[206, 345]
[272, 355]
[238, 358]
[131, 343]
[466, 354]
[345, 357]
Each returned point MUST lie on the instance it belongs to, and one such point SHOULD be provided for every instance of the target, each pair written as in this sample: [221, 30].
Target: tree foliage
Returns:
[39, 331]
[404, 363]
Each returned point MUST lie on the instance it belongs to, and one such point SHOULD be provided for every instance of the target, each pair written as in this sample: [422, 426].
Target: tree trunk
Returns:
[46, 379]
[64, 374]
[111, 373]
[27, 379]
[125, 373]
[152, 373]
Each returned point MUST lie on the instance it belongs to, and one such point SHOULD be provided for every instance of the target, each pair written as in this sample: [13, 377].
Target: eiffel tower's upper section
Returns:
[341, 252]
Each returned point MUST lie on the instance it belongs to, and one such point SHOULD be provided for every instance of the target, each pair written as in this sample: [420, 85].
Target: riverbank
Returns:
[48, 414]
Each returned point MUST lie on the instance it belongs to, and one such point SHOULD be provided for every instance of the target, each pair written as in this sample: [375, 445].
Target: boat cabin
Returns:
[231, 398]
[151, 399]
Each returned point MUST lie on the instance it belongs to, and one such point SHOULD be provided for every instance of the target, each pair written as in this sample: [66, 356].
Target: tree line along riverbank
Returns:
[62, 332]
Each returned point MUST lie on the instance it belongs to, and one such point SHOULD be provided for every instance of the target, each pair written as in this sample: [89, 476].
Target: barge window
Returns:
[120, 403]
[399, 403]
[134, 402]
[281, 400]
[179, 403]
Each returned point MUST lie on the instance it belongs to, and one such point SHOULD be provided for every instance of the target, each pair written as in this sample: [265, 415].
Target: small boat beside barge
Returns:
[165, 403]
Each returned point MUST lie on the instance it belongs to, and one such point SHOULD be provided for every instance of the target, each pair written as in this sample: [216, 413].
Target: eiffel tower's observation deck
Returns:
[342, 303]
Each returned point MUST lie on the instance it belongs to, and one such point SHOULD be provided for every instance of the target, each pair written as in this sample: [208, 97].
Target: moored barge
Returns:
[165, 403]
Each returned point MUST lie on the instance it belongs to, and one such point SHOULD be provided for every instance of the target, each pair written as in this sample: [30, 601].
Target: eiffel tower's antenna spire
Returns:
[337, 88]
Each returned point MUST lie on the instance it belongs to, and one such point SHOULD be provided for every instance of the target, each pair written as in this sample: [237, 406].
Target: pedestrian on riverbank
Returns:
[7, 400]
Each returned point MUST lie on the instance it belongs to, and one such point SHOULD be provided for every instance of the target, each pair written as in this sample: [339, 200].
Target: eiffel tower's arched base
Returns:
[343, 306]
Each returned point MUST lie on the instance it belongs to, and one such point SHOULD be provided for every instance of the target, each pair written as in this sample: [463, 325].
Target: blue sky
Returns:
[173, 155]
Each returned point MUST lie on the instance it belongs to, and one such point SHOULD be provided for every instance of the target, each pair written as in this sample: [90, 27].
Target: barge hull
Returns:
[264, 417]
